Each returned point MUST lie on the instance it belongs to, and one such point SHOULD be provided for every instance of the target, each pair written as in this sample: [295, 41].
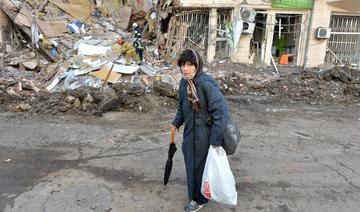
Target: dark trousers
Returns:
[140, 52]
[197, 195]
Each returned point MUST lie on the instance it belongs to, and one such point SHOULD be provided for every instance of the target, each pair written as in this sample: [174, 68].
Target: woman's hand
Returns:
[215, 146]
[173, 128]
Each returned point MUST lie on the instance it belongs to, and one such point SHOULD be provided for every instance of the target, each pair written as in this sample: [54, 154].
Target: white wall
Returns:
[321, 18]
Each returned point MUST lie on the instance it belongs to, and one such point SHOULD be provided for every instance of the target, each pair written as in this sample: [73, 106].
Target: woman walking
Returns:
[203, 110]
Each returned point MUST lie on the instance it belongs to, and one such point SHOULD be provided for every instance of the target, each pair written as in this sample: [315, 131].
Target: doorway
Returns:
[258, 42]
[286, 40]
[224, 34]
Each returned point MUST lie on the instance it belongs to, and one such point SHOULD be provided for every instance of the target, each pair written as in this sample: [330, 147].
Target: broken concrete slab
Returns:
[167, 78]
[130, 88]
[89, 98]
[337, 73]
[8, 48]
[14, 61]
[30, 64]
[70, 99]
[165, 89]
[110, 101]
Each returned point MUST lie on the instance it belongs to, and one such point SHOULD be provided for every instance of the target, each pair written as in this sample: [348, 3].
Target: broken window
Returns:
[344, 43]
[224, 34]
[286, 39]
[197, 23]
[258, 41]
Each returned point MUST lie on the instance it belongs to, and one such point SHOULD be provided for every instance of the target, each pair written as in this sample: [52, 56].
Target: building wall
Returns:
[317, 47]
[222, 3]
[321, 18]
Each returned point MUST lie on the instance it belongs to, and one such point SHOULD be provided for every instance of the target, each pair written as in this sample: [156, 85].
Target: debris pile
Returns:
[71, 46]
[331, 85]
[69, 56]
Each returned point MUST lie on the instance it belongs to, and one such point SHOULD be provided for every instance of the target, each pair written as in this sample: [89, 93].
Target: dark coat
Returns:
[199, 132]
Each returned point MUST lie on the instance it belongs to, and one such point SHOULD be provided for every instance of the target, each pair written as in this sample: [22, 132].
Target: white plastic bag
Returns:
[218, 182]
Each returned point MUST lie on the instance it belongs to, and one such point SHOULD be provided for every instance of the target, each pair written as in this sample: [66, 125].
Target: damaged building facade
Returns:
[308, 32]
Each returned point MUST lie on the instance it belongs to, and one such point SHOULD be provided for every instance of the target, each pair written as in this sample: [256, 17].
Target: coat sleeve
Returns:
[179, 118]
[217, 108]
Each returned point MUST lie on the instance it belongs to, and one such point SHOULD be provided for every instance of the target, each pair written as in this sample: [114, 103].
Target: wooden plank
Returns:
[24, 16]
[23, 20]
[171, 33]
[52, 28]
[43, 5]
[9, 8]
[79, 12]
[4, 20]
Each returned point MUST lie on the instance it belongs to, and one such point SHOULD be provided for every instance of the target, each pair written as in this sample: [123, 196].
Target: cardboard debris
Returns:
[102, 74]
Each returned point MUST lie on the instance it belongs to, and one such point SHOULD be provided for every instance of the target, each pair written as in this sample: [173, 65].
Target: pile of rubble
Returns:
[320, 85]
[63, 57]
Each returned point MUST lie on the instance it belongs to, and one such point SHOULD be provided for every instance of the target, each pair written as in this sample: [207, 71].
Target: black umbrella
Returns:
[169, 162]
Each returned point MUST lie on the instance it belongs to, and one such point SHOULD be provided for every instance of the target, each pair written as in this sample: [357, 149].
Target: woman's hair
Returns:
[190, 55]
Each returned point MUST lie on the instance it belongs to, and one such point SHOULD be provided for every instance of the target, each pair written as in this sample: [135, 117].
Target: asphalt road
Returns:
[292, 158]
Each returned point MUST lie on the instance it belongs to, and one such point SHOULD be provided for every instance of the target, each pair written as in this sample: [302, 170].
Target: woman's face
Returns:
[188, 69]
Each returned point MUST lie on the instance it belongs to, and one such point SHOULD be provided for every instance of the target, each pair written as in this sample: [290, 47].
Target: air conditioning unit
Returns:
[323, 33]
[248, 28]
[247, 14]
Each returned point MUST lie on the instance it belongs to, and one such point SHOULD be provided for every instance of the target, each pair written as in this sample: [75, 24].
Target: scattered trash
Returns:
[77, 27]
[70, 53]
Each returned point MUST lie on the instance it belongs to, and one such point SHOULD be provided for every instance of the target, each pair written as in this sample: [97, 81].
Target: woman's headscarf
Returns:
[191, 89]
